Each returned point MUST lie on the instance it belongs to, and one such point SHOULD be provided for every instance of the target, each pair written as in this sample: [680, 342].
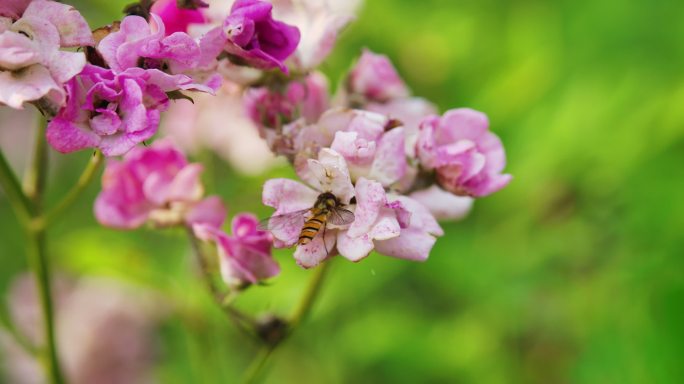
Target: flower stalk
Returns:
[83, 181]
[37, 254]
[298, 316]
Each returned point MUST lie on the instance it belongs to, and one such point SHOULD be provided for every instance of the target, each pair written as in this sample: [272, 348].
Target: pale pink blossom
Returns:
[155, 184]
[371, 148]
[467, 157]
[378, 219]
[415, 240]
[245, 256]
[375, 79]
[32, 66]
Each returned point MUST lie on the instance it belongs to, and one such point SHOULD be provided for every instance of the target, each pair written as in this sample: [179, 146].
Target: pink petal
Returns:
[390, 158]
[370, 196]
[73, 29]
[330, 174]
[442, 204]
[211, 211]
[420, 216]
[17, 51]
[287, 196]
[461, 124]
[13, 8]
[29, 84]
[65, 65]
[413, 244]
[312, 254]
[186, 186]
[354, 248]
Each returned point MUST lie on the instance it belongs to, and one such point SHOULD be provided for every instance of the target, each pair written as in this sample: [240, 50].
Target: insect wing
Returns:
[286, 220]
[341, 216]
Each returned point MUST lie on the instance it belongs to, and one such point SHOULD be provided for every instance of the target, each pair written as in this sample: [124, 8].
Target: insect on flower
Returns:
[328, 209]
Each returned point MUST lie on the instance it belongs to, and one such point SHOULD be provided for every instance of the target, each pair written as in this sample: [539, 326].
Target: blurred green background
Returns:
[572, 274]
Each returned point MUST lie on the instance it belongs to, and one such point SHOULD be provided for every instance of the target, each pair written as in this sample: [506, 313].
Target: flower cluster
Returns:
[384, 157]
[387, 156]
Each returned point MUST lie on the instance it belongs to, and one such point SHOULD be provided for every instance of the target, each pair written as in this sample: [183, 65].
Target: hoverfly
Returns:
[327, 209]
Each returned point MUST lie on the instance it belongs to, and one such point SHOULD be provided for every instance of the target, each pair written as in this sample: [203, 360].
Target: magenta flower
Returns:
[176, 19]
[108, 110]
[375, 78]
[468, 157]
[307, 98]
[245, 257]
[176, 60]
[158, 184]
[13, 9]
[32, 66]
[251, 33]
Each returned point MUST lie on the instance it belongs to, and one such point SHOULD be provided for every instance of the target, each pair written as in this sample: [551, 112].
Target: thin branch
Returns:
[298, 316]
[10, 184]
[243, 321]
[70, 198]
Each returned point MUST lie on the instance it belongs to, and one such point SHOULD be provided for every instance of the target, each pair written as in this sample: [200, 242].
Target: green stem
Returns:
[257, 365]
[41, 268]
[312, 292]
[83, 181]
[36, 175]
[298, 316]
[37, 254]
[15, 196]
[243, 321]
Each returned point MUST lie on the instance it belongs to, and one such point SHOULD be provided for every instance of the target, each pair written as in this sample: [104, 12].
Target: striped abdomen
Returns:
[312, 227]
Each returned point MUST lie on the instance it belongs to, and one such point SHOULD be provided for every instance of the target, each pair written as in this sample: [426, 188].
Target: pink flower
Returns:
[177, 60]
[410, 112]
[376, 218]
[251, 33]
[375, 78]
[155, 183]
[371, 150]
[108, 110]
[468, 158]
[307, 98]
[245, 257]
[415, 241]
[371, 147]
[176, 19]
[32, 66]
